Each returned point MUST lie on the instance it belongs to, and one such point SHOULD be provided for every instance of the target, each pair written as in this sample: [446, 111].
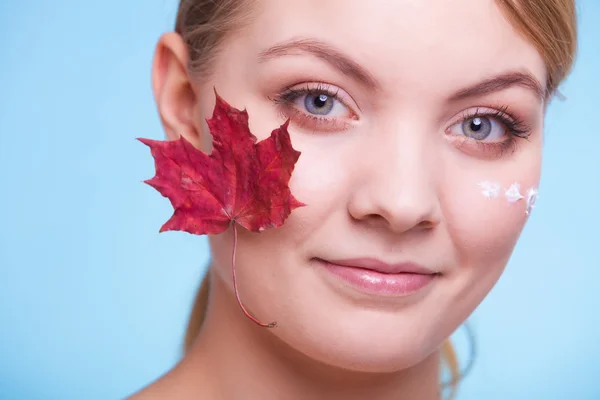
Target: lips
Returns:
[375, 277]
[383, 267]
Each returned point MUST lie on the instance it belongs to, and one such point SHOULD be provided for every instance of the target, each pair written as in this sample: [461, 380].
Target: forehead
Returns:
[404, 40]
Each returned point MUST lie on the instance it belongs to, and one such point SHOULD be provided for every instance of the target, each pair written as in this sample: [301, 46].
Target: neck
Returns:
[237, 359]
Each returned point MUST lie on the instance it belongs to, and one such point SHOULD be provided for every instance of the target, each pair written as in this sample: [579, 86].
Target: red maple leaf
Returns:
[241, 182]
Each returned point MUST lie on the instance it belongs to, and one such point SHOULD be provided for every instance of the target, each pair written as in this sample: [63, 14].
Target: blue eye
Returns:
[480, 128]
[321, 101]
[490, 125]
[320, 104]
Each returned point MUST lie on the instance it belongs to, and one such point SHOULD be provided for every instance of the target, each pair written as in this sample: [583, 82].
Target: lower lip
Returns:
[373, 282]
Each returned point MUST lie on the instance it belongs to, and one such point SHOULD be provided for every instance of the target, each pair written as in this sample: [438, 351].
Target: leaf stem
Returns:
[237, 295]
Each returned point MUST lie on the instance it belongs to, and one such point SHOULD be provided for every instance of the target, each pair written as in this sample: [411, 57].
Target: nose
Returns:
[397, 182]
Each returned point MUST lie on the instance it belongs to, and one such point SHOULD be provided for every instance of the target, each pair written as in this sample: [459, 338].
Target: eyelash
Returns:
[514, 125]
[515, 128]
[286, 98]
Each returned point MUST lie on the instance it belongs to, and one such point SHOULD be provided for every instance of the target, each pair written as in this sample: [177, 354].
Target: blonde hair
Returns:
[550, 25]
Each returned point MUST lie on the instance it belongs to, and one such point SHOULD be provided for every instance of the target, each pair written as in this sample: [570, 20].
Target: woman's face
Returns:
[401, 110]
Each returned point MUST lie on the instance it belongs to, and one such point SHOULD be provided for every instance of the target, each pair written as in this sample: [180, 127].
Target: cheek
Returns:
[263, 257]
[272, 264]
[484, 229]
[320, 180]
[483, 222]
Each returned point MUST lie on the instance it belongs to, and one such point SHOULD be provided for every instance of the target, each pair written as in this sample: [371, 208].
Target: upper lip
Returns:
[383, 267]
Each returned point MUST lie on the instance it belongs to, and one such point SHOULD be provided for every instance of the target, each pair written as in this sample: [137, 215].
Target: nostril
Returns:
[425, 225]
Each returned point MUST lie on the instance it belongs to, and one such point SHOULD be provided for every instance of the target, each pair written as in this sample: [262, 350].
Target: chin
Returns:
[374, 343]
[372, 358]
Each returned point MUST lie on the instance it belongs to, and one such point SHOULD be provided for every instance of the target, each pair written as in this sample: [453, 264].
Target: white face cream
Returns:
[491, 190]
[532, 196]
[513, 193]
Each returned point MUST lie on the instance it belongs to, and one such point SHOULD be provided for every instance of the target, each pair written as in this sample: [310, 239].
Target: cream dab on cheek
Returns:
[513, 193]
[491, 190]
[532, 196]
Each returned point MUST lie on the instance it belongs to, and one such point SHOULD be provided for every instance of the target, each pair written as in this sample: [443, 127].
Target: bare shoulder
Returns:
[175, 385]
[160, 389]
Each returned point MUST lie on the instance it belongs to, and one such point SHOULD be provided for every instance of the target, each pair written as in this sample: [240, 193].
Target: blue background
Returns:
[94, 301]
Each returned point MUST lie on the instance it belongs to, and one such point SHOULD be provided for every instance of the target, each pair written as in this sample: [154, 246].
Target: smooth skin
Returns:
[389, 171]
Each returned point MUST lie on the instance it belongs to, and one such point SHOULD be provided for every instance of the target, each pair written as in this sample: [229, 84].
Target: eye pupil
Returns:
[321, 101]
[476, 124]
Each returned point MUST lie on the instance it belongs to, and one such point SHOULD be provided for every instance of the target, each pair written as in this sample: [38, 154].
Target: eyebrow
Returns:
[502, 82]
[347, 66]
[325, 52]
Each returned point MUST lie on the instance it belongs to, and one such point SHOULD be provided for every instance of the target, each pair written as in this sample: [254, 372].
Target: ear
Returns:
[173, 91]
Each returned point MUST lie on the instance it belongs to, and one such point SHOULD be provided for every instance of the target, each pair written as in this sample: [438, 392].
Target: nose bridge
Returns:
[407, 148]
[399, 177]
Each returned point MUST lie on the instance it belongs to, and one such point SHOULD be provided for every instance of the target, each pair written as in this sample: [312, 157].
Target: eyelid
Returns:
[472, 112]
[487, 150]
[338, 93]
[514, 125]
[286, 102]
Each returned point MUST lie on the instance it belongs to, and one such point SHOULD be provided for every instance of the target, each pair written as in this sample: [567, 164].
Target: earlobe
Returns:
[173, 91]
